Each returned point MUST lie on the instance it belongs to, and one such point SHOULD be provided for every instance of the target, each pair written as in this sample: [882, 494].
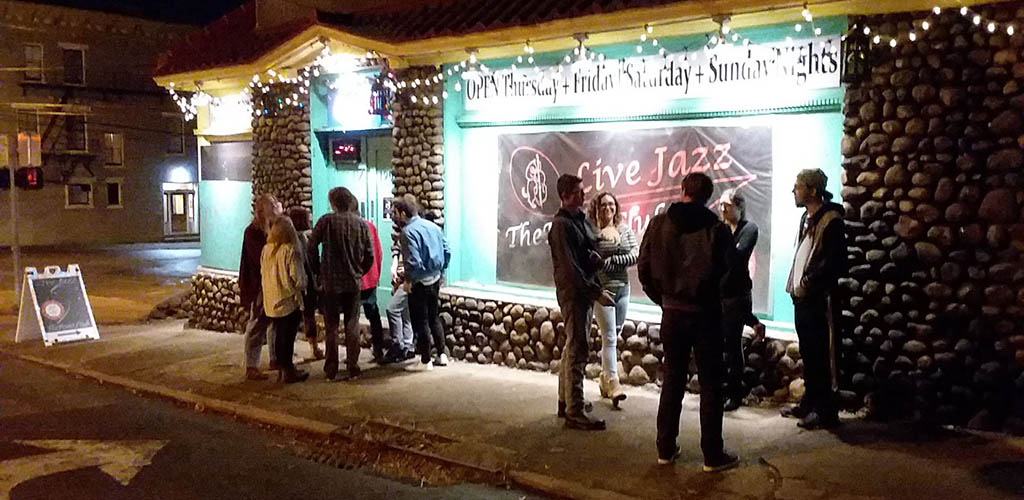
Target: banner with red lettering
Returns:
[643, 169]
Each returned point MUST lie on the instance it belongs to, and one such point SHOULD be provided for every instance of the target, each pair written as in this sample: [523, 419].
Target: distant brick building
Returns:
[119, 162]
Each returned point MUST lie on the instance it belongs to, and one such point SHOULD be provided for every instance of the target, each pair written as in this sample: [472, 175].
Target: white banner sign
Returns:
[728, 70]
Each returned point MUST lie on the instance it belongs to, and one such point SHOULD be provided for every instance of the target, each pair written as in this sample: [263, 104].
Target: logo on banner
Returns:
[530, 172]
[53, 310]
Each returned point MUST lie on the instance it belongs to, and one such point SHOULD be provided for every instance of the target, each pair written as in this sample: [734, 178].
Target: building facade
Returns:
[119, 162]
[488, 110]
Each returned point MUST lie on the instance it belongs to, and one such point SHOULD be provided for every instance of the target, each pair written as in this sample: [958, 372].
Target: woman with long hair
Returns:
[258, 327]
[618, 247]
[284, 281]
[737, 307]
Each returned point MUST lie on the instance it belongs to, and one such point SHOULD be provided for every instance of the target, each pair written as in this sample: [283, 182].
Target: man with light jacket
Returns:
[426, 255]
[685, 255]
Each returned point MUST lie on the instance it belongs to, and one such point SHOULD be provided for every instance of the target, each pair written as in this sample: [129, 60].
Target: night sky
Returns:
[197, 12]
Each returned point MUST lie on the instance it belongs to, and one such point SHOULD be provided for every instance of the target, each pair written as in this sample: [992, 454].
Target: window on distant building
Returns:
[28, 122]
[78, 195]
[114, 193]
[113, 149]
[74, 64]
[75, 133]
[33, 62]
[175, 136]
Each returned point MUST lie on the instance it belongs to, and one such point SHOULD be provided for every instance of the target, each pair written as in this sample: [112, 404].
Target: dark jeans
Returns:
[423, 307]
[681, 332]
[284, 340]
[309, 301]
[578, 314]
[736, 312]
[336, 304]
[368, 298]
[813, 329]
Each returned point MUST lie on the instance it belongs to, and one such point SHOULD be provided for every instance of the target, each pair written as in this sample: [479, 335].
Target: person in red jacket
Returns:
[368, 296]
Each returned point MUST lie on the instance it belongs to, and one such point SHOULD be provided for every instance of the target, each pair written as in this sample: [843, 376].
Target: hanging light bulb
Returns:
[936, 10]
[444, 94]
[639, 49]
[867, 30]
[892, 43]
[433, 99]
[654, 42]
[807, 14]
[458, 87]
[649, 28]
[991, 27]
[725, 28]
[519, 59]
[912, 36]
[925, 25]
[530, 60]
[963, 11]
[1009, 30]
[976, 20]
[735, 37]
[643, 37]
[412, 98]
[876, 39]
[661, 52]
[798, 27]
[817, 31]
[600, 57]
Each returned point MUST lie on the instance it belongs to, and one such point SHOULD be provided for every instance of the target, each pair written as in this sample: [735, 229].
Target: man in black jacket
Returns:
[819, 262]
[575, 261]
[685, 254]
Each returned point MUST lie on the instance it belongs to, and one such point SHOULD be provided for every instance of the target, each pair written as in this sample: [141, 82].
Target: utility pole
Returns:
[12, 161]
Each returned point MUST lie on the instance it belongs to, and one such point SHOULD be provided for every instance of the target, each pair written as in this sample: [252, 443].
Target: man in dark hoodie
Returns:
[819, 262]
[575, 261]
[684, 258]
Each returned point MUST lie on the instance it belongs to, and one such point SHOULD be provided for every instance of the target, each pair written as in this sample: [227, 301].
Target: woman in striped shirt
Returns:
[619, 248]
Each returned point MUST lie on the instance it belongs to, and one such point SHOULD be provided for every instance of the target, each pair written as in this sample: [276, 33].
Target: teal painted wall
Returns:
[807, 130]
[225, 209]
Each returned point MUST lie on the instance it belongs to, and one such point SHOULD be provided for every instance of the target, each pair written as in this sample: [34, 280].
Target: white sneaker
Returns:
[442, 360]
[420, 367]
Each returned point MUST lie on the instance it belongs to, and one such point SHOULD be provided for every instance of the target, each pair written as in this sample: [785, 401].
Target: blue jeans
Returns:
[609, 321]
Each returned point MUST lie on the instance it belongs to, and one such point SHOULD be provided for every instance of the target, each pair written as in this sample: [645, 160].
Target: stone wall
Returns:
[215, 304]
[528, 337]
[933, 188]
[418, 160]
[280, 146]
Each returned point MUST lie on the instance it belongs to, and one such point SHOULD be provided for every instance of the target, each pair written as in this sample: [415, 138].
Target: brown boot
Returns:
[615, 392]
[253, 373]
[314, 347]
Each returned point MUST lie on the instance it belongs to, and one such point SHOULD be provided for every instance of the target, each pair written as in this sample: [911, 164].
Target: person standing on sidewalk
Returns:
[301, 219]
[250, 282]
[284, 281]
[737, 305]
[575, 261]
[399, 320]
[619, 250]
[426, 255]
[684, 257]
[819, 262]
[347, 256]
[368, 295]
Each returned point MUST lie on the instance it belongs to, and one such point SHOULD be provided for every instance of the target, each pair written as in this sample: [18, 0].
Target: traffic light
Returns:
[5, 178]
[29, 178]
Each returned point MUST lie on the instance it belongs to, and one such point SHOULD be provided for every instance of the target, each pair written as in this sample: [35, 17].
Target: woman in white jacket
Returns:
[284, 280]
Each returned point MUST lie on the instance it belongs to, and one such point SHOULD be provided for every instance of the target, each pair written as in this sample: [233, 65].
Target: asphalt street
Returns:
[62, 437]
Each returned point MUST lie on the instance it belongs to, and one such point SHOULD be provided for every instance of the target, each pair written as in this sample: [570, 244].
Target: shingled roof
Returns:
[235, 39]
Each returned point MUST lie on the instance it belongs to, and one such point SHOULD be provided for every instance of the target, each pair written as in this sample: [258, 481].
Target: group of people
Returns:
[290, 269]
[694, 265]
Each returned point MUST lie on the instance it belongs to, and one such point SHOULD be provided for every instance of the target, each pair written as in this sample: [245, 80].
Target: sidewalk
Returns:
[498, 418]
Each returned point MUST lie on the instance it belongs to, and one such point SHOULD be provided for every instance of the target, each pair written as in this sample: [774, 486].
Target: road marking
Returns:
[121, 460]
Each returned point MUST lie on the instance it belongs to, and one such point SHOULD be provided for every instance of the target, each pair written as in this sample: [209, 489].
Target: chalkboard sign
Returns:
[643, 168]
[54, 306]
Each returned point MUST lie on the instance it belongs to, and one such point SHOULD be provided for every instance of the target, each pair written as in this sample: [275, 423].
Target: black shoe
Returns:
[814, 421]
[407, 355]
[794, 411]
[295, 375]
[587, 407]
[670, 460]
[722, 462]
[584, 423]
[731, 404]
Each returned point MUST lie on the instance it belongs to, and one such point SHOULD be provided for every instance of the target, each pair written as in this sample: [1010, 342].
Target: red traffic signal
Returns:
[29, 178]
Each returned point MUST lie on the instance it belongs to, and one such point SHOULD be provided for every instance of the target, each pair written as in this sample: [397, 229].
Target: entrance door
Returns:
[179, 209]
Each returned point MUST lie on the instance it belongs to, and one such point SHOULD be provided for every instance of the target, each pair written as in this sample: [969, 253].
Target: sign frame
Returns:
[30, 316]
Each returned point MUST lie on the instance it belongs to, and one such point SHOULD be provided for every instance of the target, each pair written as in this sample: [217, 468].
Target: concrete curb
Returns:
[523, 479]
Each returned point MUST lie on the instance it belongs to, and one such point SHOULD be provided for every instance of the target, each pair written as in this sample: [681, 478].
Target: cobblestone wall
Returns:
[280, 146]
[933, 188]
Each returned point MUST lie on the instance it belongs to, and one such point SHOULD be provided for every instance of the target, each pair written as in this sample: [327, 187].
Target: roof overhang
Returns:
[683, 18]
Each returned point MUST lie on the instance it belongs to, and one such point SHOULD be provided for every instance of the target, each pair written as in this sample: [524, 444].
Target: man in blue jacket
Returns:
[426, 255]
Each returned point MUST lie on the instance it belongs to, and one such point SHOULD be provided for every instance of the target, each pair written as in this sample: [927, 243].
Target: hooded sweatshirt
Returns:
[820, 258]
[685, 254]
